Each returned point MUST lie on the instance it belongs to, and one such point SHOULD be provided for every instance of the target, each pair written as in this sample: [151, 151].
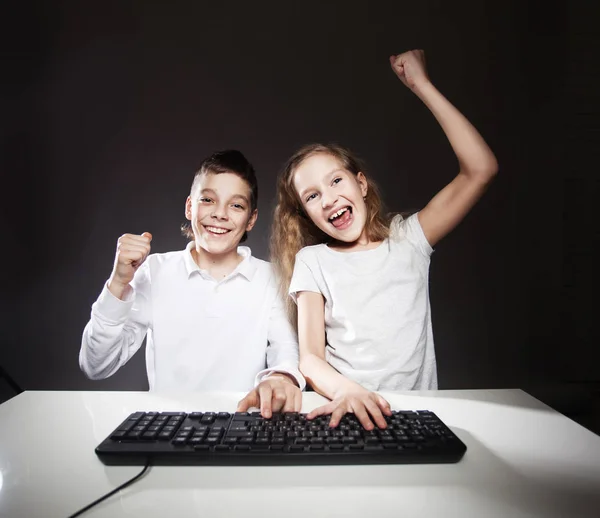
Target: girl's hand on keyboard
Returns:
[364, 404]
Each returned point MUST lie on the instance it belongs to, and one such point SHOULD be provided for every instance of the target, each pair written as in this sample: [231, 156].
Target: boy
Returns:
[211, 313]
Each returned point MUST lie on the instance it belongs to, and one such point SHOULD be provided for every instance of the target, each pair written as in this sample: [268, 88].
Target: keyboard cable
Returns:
[117, 489]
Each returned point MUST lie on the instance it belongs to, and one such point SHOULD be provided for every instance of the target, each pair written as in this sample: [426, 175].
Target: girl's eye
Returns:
[337, 180]
[311, 196]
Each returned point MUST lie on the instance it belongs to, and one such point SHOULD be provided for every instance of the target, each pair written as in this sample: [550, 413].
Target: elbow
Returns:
[484, 172]
[303, 366]
[492, 167]
[310, 365]
[306, 364]
[89, 373]
[306, 369]
[489, 167]
[91, 370]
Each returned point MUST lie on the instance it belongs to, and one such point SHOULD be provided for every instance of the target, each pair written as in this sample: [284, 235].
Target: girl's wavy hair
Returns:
[292, 228]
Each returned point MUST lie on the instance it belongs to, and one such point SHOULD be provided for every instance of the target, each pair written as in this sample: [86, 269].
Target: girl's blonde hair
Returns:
[292, 228]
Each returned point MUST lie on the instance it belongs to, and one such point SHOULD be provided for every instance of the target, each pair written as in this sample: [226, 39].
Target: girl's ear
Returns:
[362, 182]
[188, 209]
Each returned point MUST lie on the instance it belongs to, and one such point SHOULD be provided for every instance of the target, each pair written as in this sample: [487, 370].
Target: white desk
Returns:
[523, 459]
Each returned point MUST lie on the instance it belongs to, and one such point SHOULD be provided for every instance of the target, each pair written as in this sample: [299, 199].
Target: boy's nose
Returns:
[219, 213]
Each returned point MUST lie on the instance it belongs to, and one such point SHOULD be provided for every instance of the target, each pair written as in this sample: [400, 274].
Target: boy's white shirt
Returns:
[202, 334]
[377, 310]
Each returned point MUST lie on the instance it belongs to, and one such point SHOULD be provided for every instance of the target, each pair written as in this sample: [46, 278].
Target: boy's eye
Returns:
[205, 200]
[238, 206]
[311, 196]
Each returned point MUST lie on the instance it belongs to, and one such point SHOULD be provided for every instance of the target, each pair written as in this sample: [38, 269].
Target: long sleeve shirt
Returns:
[201, 333]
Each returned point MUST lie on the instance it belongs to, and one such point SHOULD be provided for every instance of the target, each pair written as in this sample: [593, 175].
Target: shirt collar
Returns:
[247, 268]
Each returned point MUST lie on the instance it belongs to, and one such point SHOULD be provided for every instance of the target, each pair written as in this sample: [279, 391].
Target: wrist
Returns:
[423, 88]
[346, 388]
[283, 376]
[118, 289]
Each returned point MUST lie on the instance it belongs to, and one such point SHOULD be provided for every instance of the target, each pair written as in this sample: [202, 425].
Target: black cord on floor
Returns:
[104, 497]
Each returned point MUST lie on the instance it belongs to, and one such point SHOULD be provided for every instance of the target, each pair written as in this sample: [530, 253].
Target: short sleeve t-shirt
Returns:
[377, 310]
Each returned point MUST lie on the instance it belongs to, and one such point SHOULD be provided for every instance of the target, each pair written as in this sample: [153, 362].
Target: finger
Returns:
[133, 248]
[278, 399]
[134, 238]
[144, 239]
[384, 405]
[265, 393]
[322, 410]
[290, 399]
[376, 414]
[135, 244]
[251, 400]
[134, 257]
[297, 400]
[336, 416]
[363, 416]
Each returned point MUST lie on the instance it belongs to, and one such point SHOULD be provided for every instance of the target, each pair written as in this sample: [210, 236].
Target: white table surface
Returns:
[522, 459]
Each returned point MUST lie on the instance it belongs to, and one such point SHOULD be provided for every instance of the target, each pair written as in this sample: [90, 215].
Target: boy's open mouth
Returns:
[216, 230]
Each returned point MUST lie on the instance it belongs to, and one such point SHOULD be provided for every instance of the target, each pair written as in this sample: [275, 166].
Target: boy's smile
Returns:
[219, 212]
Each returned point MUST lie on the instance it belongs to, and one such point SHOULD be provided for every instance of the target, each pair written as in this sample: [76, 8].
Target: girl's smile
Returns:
[332, 197]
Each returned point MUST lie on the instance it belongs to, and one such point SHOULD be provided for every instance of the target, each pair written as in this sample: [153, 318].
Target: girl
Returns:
[360, 281]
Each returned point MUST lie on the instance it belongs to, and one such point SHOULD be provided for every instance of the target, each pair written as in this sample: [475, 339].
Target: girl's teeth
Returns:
[338, 213]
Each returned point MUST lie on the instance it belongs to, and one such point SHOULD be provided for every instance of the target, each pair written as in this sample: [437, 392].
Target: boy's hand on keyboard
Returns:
[364, 404]
[277, 393]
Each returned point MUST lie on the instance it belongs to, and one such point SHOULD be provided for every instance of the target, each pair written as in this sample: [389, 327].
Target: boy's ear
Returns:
[188, 208]
[252, 220]
[362, 181]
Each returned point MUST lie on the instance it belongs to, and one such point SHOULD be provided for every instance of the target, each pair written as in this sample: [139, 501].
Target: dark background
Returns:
[108, 108]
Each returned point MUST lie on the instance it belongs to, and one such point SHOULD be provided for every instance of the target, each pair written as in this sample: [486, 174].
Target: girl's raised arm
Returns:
[477, 163]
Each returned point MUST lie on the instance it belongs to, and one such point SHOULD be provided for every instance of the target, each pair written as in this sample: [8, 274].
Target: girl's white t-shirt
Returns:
[377, 310]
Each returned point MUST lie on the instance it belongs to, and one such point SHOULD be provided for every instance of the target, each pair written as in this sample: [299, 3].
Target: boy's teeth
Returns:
[217, 230]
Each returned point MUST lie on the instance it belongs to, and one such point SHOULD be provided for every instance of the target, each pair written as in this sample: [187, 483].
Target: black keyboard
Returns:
[242, 438]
